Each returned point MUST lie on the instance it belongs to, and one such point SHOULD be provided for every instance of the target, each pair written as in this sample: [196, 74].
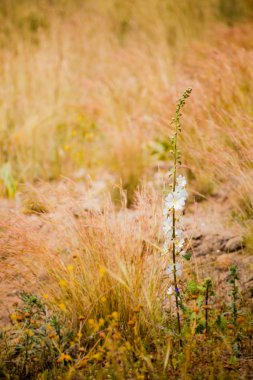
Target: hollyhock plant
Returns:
[173, 211]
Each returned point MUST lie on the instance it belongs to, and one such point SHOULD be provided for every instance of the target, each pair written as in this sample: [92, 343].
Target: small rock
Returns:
[198, 236]
[224, 261]
[209, 244]
[222, 241]
[234, 244]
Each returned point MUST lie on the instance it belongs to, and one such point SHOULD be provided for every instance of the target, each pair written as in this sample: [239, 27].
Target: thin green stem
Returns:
[208, 286]
[174, 232]
[234, 303]
[176, 122]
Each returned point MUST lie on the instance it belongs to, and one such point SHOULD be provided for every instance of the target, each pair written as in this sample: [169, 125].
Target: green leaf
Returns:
[187, 256]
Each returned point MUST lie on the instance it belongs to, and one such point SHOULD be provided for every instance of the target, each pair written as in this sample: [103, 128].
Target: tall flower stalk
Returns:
[173, 210]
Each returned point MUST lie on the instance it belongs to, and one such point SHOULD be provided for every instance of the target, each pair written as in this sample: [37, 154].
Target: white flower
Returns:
[170, 270]
[168, 227]
[170, 291]
[176, 200]
[179, 233]
[179, 269]
[168, 231]
[179, 244]
[166, 211]
[181, 181]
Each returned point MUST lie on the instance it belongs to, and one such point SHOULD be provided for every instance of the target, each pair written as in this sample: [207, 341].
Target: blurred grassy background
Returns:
[89, 87]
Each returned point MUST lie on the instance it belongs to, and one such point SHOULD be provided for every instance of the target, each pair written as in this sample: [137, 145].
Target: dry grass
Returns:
[218, 146]
[98, 100]
[97, 270]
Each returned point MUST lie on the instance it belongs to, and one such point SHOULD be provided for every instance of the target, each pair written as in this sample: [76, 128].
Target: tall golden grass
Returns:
[110, 262]
[92, 84]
